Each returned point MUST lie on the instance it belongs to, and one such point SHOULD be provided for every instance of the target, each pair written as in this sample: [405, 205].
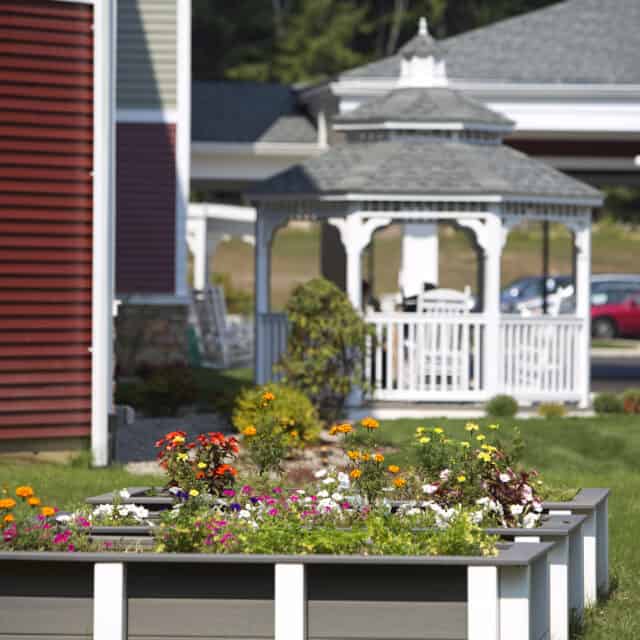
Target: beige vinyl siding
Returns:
[147, 54]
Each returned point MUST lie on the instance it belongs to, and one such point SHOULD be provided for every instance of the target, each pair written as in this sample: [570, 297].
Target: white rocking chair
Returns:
[220, 338]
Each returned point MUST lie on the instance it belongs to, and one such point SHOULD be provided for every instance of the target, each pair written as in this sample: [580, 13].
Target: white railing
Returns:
[540, 357]
[426, 357]
[271, 342]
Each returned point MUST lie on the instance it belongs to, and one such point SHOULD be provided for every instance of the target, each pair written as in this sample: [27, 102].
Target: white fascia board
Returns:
[154, 299]
[596, 163]
[420, 126]
[234, 213]
[302, 149]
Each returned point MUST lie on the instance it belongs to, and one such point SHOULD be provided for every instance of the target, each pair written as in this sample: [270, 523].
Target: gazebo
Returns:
[421, 154]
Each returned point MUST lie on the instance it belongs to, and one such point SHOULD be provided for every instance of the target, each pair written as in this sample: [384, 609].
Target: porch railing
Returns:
[540, 357]
[426, 357]
[271, 342]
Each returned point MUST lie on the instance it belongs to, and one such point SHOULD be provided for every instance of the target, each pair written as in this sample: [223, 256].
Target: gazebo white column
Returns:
[582, 243]
[419, 257]
[356, 235]
[491, 237]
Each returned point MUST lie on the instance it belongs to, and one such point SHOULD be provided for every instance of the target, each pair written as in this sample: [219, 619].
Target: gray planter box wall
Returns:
[113, 596]
[594, 505]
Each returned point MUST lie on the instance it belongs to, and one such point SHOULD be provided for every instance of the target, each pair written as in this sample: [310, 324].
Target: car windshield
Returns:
[612, 293]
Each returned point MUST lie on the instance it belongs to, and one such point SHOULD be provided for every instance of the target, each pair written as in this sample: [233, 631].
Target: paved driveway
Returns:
[615, 373]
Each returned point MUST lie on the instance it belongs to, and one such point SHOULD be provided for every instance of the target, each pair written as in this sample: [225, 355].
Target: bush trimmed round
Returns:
[502, 406]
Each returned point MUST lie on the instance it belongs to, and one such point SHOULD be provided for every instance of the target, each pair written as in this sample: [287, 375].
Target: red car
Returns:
[615, 312]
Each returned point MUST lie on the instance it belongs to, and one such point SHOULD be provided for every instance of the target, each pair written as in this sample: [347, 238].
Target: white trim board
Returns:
[168, 116]
[104, 20]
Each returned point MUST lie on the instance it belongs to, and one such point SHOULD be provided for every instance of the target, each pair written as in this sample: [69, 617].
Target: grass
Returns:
[296, 256]
[569, 452]
[615, 344]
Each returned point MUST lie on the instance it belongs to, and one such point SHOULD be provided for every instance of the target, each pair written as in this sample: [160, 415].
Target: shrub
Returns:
[608, 403]
[237, 300]
[502, 406]
[294, 411]
[327, 338]
[552, 410]
[631, 401]
[166, 390]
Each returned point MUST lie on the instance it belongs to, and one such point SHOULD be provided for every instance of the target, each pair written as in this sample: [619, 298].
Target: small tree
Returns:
[326, 346]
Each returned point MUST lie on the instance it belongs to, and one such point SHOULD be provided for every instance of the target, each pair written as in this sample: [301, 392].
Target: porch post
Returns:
[582, 241]
[494, 242]
[419, 257]
[202, 245]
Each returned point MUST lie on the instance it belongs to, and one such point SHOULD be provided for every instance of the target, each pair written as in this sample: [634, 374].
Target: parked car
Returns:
[525, 294]
[615, 306]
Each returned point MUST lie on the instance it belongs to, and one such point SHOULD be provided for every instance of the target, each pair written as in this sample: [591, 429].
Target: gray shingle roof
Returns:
[576, 41]
[416, 166]
[247, 112]
[424, 105]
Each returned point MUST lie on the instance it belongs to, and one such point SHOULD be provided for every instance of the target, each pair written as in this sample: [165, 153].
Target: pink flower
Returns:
[225, 538]
[273, 512]
[229, 493]
[246, 489]
[71, 547]
[277, 490]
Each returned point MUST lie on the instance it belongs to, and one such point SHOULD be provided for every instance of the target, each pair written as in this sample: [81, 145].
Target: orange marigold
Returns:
[34, 502]
[24, 491]
[399, 482]
[47, 512]
[369, 423]
[267, 397]
[7, 503]
[353, 455]
[378, 457]
[355, 474]
[226, 468]
[393, 468]
[8, 518]
[345, 428]
[250, 431]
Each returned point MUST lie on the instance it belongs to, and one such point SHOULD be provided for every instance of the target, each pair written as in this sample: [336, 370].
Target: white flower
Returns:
[338, 497]
[484, 502]
[321, 473]
[414, 511]
[123, 493]
[329, 480]
[537, 506]
[300, 492]
[504, 477]
[530, 520]
[430, 488]
[343, 480]
[477, 516]
[444, 474]
[63, 518]
[322, 494]
[244, 514]
[516, 509]
[527, 493]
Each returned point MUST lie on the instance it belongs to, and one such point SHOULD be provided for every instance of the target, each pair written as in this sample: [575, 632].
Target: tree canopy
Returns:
[295, 41]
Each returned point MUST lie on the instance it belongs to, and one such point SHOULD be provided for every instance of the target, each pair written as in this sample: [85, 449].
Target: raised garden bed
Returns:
[113, 596]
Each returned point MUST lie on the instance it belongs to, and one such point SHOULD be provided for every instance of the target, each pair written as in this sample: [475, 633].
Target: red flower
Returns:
[224, 469]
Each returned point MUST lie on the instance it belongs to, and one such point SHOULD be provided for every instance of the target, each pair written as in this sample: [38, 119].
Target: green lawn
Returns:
[569, 452]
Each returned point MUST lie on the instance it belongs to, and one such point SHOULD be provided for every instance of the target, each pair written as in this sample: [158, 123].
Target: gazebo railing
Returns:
[425, 357]
[540, 357]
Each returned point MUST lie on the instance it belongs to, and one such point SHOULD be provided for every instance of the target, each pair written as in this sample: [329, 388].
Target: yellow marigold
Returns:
[345, 428]
[355, 473]
[461, 478]
[393, 468]
[47, 512]
[353, 455]
[464, 444]
[481, 437]
[24, 492]
[471, 426]
[438, 430]
[194, 492]
[485, 457]
[178, 440]
[378, 457]
[250, 431]
[183, 457]
[8, 518]
[333, 430]
[34, 502]
[447, 441]
[399, 482]
[494, 427]
[369, 423]
[294, 434]
[424, 440]
[202, 465]
[7, 503]
[420, 430]
[366, 457]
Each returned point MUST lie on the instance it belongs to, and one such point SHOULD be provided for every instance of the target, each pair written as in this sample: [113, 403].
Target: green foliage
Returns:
[502, 406]
[631, 401]
[294, 411]
[238, 300]
[605, 403]
[164, 391]
[327, 338]
[552, 410]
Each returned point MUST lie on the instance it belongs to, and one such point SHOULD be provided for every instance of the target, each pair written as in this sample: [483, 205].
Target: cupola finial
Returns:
[423, 29]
